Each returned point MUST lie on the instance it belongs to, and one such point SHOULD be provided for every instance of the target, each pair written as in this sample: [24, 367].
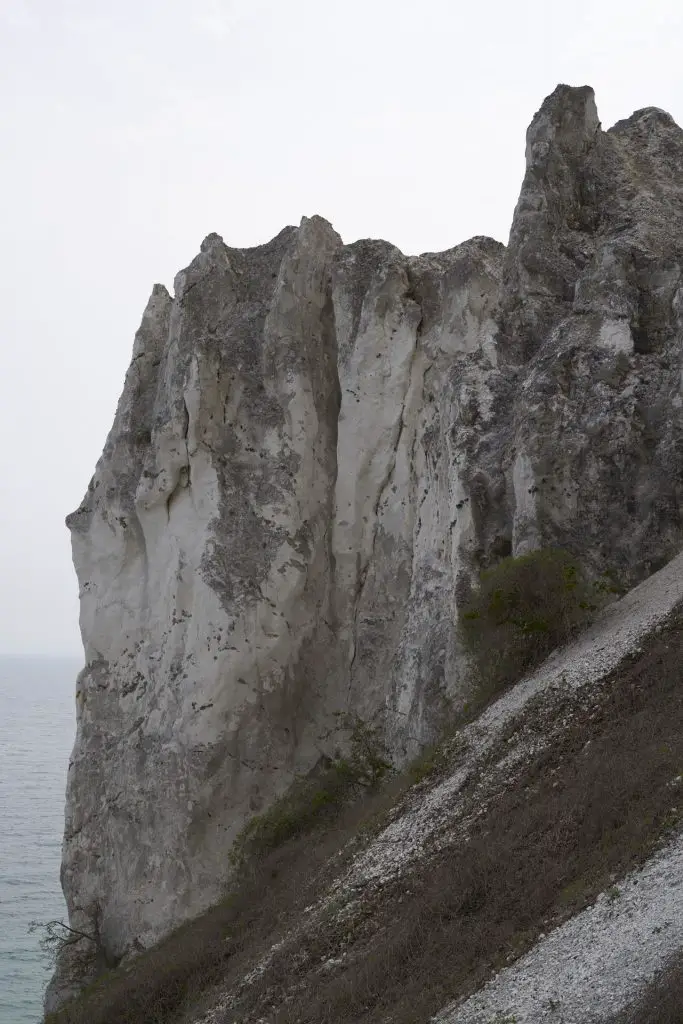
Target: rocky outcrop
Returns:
[593, 300]
[316, 447]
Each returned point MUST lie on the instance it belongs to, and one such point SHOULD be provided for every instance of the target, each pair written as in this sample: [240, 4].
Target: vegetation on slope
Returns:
[662, 1002]
[523, 609]
[583, 812]
[598, 789]
[312, 801]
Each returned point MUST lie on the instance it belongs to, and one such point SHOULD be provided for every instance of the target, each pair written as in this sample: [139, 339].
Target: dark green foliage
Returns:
[431, 762]
[522, 610]
[315, 798]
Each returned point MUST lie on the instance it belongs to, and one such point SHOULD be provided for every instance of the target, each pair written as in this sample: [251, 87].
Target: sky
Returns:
[131, 130]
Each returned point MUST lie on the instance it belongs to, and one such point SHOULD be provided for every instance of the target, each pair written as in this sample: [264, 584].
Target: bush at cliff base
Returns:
[318, 796]
[522, 609]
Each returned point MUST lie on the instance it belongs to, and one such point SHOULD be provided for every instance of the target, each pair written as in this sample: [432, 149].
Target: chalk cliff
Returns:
[316, 447]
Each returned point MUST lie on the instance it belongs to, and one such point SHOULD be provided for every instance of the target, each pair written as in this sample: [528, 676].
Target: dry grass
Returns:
[578, 814]
[662, 1003]
[271, 890]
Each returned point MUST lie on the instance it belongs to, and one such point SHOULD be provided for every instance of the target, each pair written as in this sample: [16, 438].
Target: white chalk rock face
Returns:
[203, 555]
[316, 448]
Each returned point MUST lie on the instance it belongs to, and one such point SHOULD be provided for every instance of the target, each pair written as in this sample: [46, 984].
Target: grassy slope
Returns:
[591, 800]
[662, 1003]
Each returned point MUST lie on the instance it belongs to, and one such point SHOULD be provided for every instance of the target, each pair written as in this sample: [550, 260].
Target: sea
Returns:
[37, 729]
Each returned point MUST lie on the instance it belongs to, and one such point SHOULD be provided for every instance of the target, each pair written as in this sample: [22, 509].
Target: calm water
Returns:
[37, 725]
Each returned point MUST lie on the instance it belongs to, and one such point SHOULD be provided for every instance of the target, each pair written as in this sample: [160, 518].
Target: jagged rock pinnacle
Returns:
[315, 448]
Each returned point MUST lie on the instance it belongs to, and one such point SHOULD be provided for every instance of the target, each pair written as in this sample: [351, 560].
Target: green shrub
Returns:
[437, 758]
[311, 800]
[430, 762]
[522, 610]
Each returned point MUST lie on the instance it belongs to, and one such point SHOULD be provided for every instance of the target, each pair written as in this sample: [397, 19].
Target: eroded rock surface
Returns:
[316, 447]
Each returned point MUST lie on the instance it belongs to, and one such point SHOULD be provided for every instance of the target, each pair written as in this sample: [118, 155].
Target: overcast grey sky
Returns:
[131, 129]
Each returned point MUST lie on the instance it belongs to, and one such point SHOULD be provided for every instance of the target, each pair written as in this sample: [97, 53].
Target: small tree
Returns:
[368, 759]
[76, 956]
[56, 937]
[522, 610]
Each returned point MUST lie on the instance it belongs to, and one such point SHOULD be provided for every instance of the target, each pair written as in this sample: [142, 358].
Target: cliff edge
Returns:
[317, 447]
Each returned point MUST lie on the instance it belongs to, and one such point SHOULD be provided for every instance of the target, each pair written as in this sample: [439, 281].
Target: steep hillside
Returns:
[545, 835]
[317, 449]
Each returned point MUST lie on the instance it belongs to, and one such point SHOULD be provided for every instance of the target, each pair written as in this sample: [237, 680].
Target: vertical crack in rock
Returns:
[183, 477]
[384, 484]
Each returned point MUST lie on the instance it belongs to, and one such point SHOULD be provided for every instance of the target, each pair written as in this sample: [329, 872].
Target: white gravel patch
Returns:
[403, 840]
[595, 965]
